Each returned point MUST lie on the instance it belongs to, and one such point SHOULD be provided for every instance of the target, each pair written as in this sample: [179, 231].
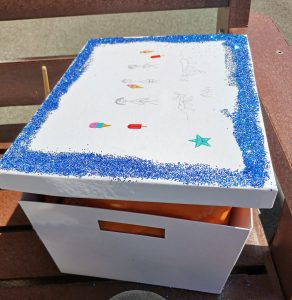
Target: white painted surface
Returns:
[190, 91]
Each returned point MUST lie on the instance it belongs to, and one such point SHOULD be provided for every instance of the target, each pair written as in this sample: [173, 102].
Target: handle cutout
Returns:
[131, 229]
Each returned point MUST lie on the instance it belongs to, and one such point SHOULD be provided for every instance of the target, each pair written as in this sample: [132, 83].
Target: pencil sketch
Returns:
[145, 66]
[144, 81]
[188, 68]
[226, 113]
[137, 101]
[185, 104]
[206, 92]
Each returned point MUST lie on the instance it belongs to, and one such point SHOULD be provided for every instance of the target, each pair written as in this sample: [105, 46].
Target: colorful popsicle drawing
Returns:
[134, 86]
[98, 125]
[199, 141]
[136, 126]
[156, 56]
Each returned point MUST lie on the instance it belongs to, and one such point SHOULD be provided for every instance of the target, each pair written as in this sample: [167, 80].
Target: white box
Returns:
[193, 255]
[202, 142]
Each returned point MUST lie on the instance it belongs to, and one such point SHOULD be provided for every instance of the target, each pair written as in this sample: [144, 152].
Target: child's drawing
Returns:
[138, 101]
[226, 113]
[146, 51]
[185, 104]
[134, 86]
[188, 68]
[200, 141]
[206, 92]
[98, 125]
[155, 56]
[136, 126]
[144, 81]
[145, 66]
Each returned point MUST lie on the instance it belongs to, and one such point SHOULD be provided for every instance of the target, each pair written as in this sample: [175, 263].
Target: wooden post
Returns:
[45, 81]
[234, 19]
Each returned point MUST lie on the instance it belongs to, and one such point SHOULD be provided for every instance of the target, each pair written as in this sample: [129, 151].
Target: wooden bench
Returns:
[262, 272]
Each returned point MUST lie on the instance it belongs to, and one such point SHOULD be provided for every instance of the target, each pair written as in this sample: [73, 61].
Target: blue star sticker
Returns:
[200, 141]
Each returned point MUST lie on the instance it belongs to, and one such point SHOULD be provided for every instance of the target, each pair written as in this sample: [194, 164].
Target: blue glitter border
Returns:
[247, 131]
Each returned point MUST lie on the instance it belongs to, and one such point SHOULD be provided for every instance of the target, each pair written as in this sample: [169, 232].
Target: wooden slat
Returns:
[4, 147]
[272, 58]
[282, 250]
[239, 287]
[234, 19]
[273, 73]
[22, 255]
[281, 163]
[30, 9]
[238, 13]
[9, 132]
[21, 81]
[11, 213]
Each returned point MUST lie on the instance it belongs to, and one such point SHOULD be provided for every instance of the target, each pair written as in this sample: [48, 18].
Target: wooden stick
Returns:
[46, 81]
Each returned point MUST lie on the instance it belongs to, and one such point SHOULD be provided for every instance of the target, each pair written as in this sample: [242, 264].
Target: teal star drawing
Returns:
[199, 141]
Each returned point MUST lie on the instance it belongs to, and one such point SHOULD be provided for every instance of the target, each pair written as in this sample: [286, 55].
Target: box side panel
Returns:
[193, 255]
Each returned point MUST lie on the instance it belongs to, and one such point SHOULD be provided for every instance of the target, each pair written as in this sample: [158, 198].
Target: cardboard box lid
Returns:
[166, 118]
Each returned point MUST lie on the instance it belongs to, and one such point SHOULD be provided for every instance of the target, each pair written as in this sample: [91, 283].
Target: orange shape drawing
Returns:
[134, 86]
[146, 51]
